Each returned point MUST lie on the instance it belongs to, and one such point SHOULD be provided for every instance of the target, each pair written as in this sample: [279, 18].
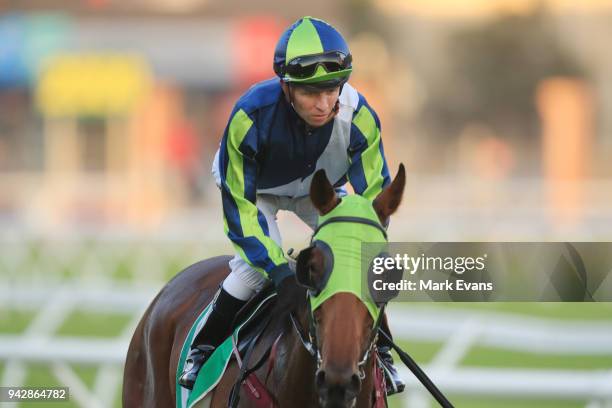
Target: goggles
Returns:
[306, 66]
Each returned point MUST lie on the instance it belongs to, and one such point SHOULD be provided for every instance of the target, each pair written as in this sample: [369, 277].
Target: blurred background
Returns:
[110, 114]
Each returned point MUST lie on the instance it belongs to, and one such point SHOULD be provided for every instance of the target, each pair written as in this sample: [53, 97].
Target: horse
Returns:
[341, 376]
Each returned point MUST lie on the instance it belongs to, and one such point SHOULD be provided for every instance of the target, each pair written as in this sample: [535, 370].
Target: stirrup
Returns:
[195, 360]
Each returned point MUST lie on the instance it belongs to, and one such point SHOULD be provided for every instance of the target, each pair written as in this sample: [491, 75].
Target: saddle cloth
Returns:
[212, 371]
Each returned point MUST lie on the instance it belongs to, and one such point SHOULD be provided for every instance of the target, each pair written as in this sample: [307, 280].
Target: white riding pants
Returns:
[244, 281]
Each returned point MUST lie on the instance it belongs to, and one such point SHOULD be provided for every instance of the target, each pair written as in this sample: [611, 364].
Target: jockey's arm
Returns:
[368, 171]
[245, 225]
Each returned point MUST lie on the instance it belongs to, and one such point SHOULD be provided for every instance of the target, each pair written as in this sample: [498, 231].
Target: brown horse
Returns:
[297, 379]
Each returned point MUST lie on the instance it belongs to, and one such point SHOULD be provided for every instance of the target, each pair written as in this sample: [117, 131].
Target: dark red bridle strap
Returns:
[380, 388]
[272, 359]
[257, 392]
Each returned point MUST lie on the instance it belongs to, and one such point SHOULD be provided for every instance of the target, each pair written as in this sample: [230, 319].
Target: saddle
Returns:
[253, 314]
[257, 392]
[248, 326]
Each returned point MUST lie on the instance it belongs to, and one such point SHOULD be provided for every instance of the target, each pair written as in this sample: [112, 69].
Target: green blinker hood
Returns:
[345, 240]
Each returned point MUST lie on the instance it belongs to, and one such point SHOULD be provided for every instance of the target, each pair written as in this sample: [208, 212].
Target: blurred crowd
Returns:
[110, 112]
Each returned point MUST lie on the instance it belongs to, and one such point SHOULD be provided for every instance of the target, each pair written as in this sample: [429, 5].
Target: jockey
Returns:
[279, 133]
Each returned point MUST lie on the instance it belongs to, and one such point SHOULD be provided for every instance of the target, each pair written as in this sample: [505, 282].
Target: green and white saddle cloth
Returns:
[212, 371]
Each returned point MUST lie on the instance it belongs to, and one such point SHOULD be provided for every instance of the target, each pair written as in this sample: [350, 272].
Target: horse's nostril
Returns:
[355, 383]
[337, 388]
[320, 379]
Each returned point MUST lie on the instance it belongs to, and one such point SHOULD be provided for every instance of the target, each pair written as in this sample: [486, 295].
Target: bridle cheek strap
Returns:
[310, 343]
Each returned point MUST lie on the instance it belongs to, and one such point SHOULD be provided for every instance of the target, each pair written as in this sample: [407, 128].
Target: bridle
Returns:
[310, 340]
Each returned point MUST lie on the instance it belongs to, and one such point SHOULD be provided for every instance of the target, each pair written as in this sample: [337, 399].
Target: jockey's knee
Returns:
[243, 281]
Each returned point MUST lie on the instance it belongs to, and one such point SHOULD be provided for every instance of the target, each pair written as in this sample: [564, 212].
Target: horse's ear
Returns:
[390, 198]
[322, 193]
[314, 266]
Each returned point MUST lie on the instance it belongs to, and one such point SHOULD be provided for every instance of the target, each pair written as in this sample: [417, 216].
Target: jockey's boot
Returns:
[394, 382]
[217, 327]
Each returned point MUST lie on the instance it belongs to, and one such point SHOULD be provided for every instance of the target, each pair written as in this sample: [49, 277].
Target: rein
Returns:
[310, 342]
[310, 345]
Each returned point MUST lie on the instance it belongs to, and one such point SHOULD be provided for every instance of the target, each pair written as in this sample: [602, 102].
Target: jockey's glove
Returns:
[280, 273]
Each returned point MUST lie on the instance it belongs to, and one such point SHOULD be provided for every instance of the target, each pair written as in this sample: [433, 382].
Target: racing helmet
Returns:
[311, 52]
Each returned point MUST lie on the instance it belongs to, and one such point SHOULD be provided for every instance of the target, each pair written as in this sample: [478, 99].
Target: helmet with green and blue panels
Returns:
[312, 52]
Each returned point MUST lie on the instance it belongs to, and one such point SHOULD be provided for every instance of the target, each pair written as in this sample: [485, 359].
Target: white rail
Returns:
[458, 329]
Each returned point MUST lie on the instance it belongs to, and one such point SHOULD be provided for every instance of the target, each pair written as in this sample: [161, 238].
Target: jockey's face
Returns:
[316, 107]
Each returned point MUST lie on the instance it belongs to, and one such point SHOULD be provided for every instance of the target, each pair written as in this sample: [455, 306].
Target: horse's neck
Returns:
[295, 372]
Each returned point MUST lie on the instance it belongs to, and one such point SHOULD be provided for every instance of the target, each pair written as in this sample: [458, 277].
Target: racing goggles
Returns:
[306, 66]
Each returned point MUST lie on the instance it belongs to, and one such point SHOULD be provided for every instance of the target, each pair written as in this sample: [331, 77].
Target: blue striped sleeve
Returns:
[245, 224]
[368, 171]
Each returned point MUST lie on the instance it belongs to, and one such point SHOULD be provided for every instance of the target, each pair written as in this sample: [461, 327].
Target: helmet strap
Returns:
[290, 91]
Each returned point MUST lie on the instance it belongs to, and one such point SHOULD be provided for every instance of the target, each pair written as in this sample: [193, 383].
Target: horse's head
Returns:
[342, 319]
